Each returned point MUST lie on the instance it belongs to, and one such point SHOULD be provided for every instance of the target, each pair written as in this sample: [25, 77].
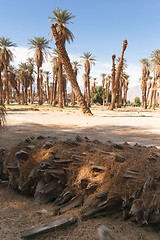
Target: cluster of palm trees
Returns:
[149, 83]
[17, 84]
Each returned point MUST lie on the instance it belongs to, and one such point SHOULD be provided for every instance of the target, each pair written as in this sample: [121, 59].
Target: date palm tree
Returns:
[113, 75]
[103, 83]
[108, 80]
[62, 18]
[61, 33]
[145, 76]
[88, 61]
[30, 63]
[93, 88]
[155, 60]
[24, 75]
[75, 65]
[6, 57]
[68, 69]
[118, 72]
[1, 84]
[41, 46]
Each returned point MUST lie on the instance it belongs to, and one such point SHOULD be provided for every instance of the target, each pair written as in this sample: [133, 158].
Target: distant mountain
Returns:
[134, 92]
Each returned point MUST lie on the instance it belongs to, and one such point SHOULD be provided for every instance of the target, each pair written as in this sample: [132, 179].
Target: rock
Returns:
[79, 139]
[22, 155]
[104, 233]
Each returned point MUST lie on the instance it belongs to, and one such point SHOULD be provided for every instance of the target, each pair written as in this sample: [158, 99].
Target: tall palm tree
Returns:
[145, 75]
[103, 83]
[62, 18]
[108, 80]
[30, 63]
[155, 60]
[68, 69]
[48, 88]
[6, 57]
[75, 65]
[93, 88]
[88, 61]
[149, 86]
[25, 80]
[113, 75]
[118, 72]
[120, 82]
[1, 84]
[125, 78]
[41, 46]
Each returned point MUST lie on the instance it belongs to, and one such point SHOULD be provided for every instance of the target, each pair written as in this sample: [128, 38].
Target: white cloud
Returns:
[21, 54]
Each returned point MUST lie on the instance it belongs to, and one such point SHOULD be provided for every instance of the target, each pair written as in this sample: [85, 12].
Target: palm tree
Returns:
[61, 18]
[93, 88]
[48, 88]
[25, 80]
[68, 69]
[149, 86]
[108, 80]
[103, 82]
[6, 58]
[55, 62]
[145, 76]
[40, 44]
[155, 60]
[1, 84]
[113, 74]
[118, 72]
[120, 82]
[88, 61]
[125, 78]
[30, 63]
[75, 65]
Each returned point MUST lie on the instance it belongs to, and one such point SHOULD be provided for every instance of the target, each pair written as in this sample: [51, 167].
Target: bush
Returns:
[137, 102]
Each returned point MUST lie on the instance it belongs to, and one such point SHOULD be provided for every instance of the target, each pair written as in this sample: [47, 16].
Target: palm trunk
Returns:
[38, 86]
[69, 71]
[55, 89]
[88, 91]
[103, 91]
[119, 69]
[19, 96]
[6, 83]
[31, 96]
[1, 90]
[149, 87]
[107, 91]
[152, 93]
[22, 94]
[113, 76]
[60, 85]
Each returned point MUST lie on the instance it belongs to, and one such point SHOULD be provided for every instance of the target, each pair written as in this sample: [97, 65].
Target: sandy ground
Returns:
[117, 126]
[19, 212]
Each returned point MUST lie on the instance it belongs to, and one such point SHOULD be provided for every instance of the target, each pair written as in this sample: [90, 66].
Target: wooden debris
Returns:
[131, 174]
[55, 225]
[98, 169]
[47, 145]
[71, 143]
[74, 202]
[104, 233]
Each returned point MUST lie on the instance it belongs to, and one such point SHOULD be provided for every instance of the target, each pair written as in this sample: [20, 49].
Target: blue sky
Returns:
[99, 27]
